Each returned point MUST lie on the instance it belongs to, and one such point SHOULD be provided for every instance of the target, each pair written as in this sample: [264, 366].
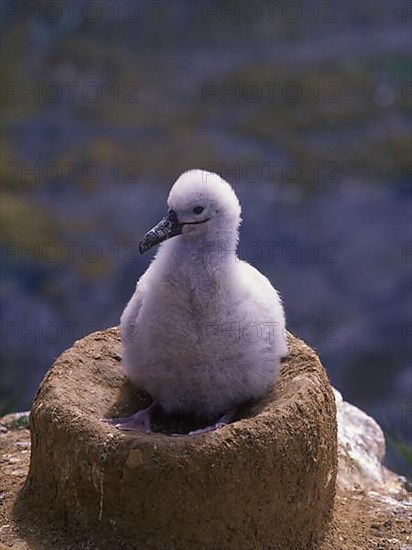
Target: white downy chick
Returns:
[204, 332]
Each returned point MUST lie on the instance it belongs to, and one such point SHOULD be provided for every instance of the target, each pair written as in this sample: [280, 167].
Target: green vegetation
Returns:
[20, 422]
[402, 448]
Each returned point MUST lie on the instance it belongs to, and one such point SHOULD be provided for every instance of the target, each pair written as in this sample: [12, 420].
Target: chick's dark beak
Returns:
[168, 227]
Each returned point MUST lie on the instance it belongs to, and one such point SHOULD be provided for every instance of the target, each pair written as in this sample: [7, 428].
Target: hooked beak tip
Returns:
[167, 227]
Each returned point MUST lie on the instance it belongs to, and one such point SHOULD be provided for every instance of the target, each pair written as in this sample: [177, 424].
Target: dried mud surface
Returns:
[88, 482]
[360, 521]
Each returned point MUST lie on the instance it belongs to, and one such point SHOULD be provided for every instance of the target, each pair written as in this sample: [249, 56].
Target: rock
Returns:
[14, 421]
[265, 481]
[361, 450]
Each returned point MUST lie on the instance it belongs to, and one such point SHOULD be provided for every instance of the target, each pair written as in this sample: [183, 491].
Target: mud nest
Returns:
[265, 481]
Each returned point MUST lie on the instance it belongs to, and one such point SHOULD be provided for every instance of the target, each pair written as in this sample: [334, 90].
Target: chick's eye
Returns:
[197, 209]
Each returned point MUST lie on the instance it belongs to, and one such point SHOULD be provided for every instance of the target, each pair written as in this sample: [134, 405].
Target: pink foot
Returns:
[223, 421]
[212, 428]
[138, 422]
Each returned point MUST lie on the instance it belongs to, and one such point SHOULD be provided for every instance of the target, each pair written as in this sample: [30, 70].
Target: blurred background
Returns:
[304, 107]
